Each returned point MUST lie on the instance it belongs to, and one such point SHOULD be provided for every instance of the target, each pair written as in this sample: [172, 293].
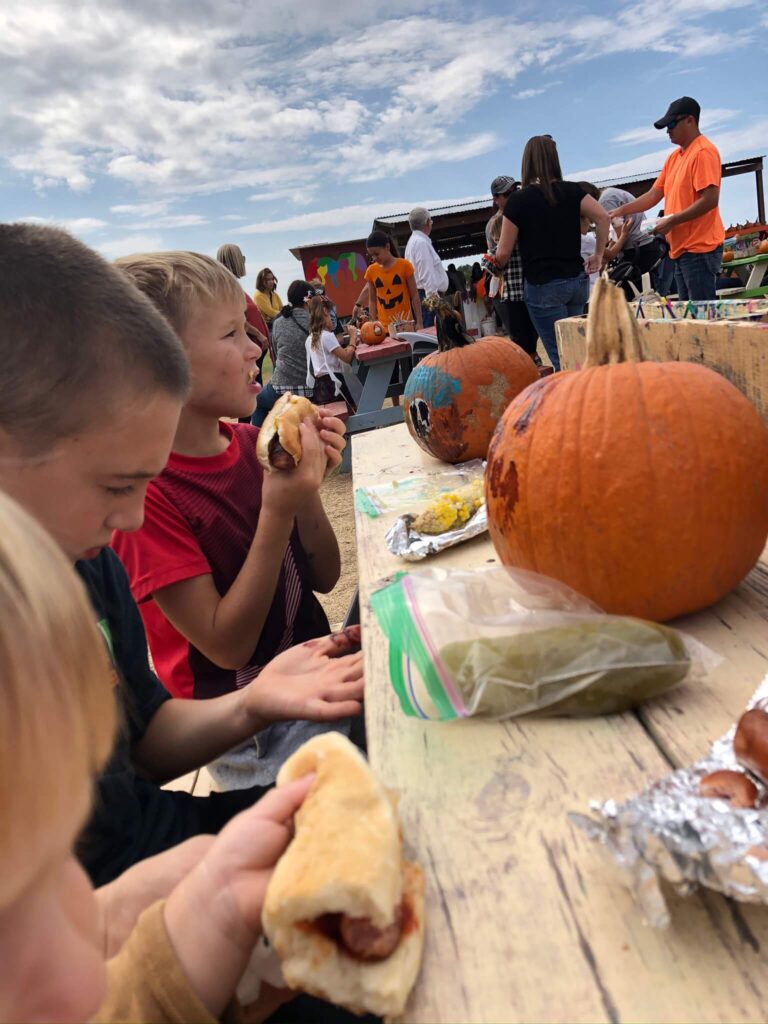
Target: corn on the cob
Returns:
[450, 510]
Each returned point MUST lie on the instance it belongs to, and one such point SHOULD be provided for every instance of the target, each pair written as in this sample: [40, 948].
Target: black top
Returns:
[549, 236]
[128, 810]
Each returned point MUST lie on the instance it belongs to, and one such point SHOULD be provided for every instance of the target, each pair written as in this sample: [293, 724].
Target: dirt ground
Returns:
[338, 499]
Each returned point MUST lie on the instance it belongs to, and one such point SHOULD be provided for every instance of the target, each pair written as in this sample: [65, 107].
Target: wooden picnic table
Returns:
[528, 919]
[380, 362]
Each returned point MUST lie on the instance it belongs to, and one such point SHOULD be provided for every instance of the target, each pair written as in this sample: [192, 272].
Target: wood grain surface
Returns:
[528, 920]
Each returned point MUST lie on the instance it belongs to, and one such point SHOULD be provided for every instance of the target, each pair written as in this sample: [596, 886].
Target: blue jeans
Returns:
[266, 399]
[663, 277]
[696, 274]
[553, 301]
[427, 315]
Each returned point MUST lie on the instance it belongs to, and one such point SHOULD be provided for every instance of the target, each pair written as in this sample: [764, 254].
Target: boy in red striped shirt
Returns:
[225, 565]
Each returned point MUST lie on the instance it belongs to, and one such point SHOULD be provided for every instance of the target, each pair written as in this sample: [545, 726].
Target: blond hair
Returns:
[57, 708]
[232, 258]
[175, 282]
[494, 226]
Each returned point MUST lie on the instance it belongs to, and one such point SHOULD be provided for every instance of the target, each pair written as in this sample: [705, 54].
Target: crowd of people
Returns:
[138, 521]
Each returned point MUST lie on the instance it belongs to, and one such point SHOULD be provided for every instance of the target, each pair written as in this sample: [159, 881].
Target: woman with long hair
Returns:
[544, 218]
[289, 334]
[266, 297]
[231, 256]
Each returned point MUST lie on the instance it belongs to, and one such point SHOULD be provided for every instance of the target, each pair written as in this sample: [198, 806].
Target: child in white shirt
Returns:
[328, 363]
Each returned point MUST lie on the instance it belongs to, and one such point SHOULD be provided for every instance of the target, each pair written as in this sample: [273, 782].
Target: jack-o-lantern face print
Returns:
[393, 295]
[391, 289]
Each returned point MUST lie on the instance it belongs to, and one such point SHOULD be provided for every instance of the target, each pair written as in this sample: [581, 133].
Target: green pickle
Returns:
[588, 668]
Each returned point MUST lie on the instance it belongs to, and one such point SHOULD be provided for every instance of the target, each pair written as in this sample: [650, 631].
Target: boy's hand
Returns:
[122, 902]
[285, 491]
[316, 681]
[213, 916]
[332, 433]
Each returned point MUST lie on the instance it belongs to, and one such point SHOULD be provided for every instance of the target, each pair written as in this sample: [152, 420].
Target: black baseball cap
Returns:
[684, 107]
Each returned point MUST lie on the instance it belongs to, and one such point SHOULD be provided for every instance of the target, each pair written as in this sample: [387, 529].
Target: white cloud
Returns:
[77, 225]
[233, 216]
[343, 216]
[179, 220]
[130, 244]
[710, 119]
[748, 140]
[238, 94]
[141, 209]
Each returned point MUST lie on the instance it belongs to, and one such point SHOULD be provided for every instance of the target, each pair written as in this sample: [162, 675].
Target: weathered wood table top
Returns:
[529, 920]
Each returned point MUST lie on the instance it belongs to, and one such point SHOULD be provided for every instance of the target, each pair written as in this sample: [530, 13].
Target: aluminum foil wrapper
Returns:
[403, 540]
[669, 832]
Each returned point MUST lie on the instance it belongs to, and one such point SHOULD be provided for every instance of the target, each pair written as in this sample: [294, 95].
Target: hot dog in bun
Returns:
[278, 445]
[344, 911]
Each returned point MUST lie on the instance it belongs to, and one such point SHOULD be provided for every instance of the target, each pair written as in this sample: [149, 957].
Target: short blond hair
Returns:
[57, 706]
[176, 282]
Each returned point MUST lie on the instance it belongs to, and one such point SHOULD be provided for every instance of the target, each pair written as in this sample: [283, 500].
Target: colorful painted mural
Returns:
[341, 268]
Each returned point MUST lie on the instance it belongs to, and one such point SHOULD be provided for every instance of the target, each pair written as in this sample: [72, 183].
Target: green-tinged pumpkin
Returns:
[453, 399]
[642, 485]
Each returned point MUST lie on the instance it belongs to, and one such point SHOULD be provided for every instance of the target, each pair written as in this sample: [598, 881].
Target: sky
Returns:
[142, 125]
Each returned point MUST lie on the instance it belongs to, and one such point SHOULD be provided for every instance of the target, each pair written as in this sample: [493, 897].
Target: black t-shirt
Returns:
[134, 818]
[128, 810]
[549, 237]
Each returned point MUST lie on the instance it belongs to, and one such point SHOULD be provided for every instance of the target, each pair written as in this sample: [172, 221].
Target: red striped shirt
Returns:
[201, 516]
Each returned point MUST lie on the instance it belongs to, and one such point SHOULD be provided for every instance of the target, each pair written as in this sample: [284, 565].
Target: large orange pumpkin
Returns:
[453, 399]
[642, 485]
[763, 248]
[373, 332]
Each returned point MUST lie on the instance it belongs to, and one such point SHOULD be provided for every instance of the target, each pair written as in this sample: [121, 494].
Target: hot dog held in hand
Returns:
[278, 446]
[344, 911]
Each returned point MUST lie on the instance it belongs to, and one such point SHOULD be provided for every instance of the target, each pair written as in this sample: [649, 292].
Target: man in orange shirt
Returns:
[689, 184]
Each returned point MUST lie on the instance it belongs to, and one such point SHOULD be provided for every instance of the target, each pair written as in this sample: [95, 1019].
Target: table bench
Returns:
[529, 920]
[381, 362]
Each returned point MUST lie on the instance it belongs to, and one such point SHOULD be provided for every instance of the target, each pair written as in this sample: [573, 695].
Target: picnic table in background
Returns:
[381, 382]
[528, 919]
[751, 270]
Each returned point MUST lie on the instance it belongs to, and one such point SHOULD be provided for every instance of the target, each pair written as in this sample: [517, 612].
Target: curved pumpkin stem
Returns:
[450, 330]
[612, 332]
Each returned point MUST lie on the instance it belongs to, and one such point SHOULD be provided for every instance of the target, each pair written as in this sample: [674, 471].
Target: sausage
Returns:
[732, 786]
[367, 942]
[279, 457]
[750, 744]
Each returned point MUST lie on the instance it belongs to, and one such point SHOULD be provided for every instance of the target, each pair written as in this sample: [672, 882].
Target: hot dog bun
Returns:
[345, 859]
[282, 426]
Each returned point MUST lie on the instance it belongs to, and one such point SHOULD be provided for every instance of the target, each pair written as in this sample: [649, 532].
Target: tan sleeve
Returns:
[146, 984]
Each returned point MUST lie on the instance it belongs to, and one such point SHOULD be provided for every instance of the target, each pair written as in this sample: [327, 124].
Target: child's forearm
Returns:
[320, 545]
[226, 628]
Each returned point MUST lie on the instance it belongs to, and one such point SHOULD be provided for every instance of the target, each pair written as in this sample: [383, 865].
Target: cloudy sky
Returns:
[143, 125]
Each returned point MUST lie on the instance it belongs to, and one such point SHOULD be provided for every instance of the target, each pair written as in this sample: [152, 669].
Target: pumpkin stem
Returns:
[612, 332]
[450, 331]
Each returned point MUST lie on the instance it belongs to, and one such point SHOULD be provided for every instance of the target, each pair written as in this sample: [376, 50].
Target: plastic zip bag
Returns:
[499, 643]
[406, 494]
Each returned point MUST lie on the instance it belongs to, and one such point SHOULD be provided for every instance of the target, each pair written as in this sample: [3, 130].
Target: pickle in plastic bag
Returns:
[498, 643]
